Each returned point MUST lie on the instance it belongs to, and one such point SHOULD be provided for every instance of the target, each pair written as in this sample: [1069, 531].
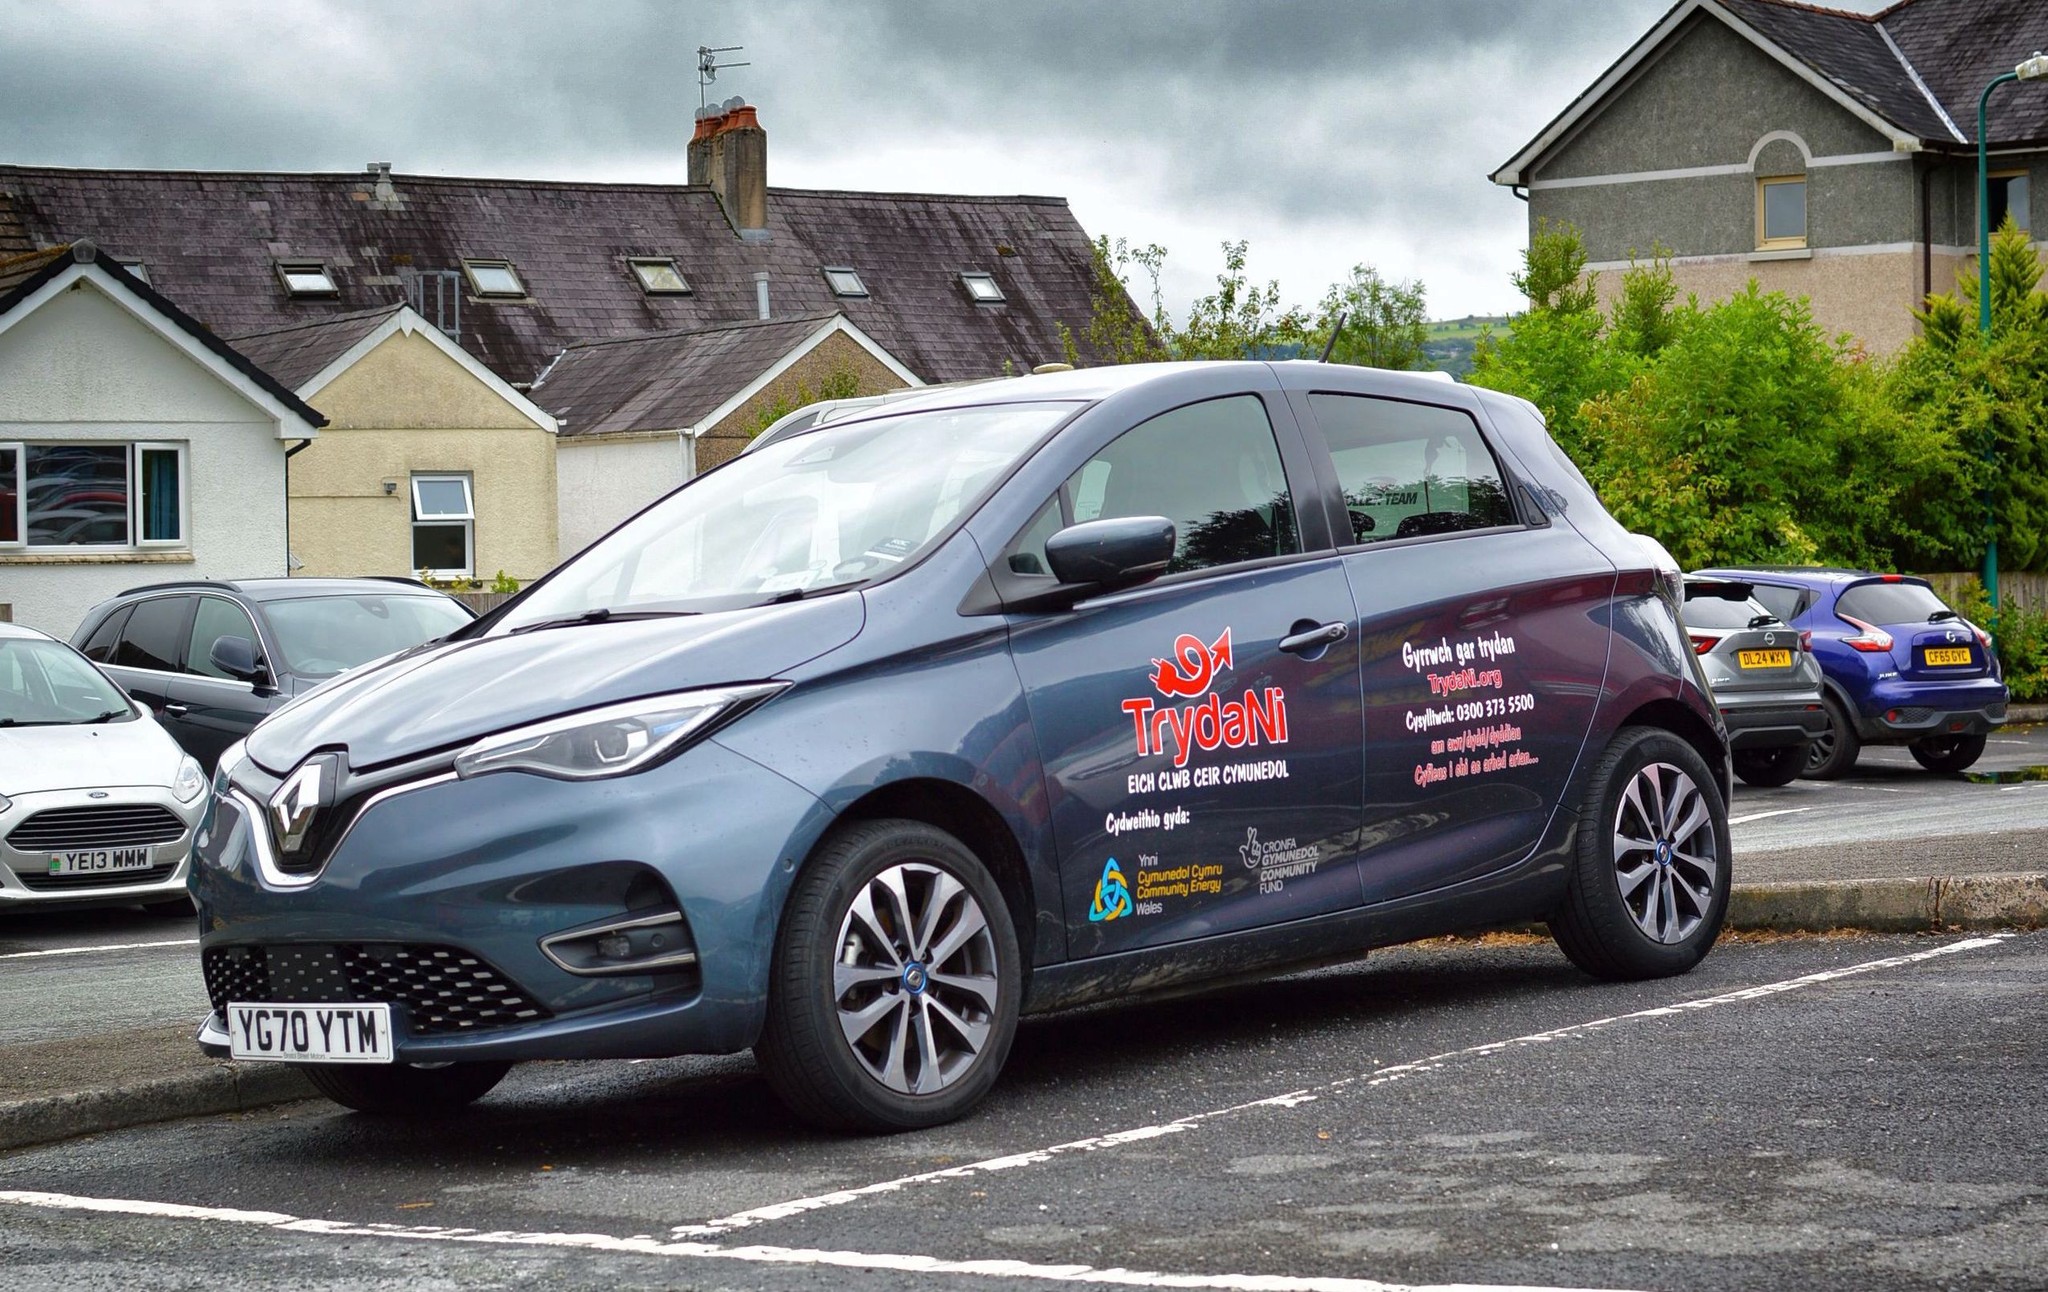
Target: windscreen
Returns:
[322, 636]
[47, 684]
[1890, 603]
[829, 508]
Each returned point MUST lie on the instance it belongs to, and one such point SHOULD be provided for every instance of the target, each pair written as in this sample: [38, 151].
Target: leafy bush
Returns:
[2019, 634]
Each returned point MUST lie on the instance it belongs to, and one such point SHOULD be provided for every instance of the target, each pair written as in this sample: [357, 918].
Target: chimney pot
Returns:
[761, 291]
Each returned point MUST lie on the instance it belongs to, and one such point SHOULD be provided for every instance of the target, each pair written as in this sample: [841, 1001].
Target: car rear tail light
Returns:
[1806, 641]
[1871, 640]
[1701, 645]
[1983, 638]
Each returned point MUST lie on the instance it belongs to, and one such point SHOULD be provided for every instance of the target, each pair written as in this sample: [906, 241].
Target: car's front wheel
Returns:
[1769, 768]
[1833, 752]
[1648, 886]
[404, 1089]
[896, 982]
[1947, 753]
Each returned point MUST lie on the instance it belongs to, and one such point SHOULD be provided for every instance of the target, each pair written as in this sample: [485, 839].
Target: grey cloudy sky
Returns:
[1326, 132]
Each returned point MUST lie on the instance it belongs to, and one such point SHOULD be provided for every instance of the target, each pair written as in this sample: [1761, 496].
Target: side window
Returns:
[1411, 469]
[1212, 468]
[216, 618]
[100, 649]
[155, 631]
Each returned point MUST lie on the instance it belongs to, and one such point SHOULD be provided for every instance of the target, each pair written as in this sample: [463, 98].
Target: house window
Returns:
[92, 495]
[443, 526]
[2008, 192]
[844, 281]
[659, 276]
[983, 288]
[493, 278]
[1781, 212]
[306, 278]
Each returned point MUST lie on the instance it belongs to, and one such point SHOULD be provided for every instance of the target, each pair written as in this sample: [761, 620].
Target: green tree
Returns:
[1385, 324]
[1553, 274]
[1239, 320]
[840, 381]
[1117, 332]
[1643, 323]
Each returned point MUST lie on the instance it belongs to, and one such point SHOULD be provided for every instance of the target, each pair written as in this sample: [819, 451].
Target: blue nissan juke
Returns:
[1898, 666]
[1014, 696]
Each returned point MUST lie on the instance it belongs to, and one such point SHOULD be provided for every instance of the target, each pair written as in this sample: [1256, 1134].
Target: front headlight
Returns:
[613, 741]
[190, 781]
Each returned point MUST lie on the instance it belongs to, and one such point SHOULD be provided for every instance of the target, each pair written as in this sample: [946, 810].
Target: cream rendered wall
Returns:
[82, 368]
[404, 408]
[604, 479]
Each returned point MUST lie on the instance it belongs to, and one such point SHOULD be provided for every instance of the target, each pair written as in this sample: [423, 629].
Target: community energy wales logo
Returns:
[1112, 895]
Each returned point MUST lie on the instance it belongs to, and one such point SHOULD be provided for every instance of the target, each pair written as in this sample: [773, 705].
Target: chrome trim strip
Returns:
[673, 960]
[379, 797]
[256, 820]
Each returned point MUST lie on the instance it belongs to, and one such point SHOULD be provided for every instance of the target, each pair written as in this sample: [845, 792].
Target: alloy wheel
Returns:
[1820, 748]
[915, 978]
[1666, 859]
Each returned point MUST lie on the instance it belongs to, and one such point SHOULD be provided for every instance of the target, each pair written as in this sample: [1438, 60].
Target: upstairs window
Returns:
[2010, 194]
[844, 281]
[493, 278]
[659, 276]
[1781, 212]
[983, 288]
[306, 278]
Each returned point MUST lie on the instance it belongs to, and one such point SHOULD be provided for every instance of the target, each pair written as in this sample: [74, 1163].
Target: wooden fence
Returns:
[2026, 591]
[482, 601]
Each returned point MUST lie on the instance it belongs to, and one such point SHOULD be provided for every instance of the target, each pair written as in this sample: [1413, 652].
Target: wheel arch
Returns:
[1674, 716]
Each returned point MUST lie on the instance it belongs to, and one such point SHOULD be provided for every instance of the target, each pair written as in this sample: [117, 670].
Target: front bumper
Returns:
[480, 872]
[25, 878]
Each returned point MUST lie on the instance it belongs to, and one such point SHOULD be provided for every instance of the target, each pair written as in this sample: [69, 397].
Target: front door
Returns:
[213, 710]
[1200, 735]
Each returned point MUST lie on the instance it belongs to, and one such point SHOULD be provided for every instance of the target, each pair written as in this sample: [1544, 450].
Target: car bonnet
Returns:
[86, 756]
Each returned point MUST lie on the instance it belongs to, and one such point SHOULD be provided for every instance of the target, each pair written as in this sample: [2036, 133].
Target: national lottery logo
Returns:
[1112, 895]
[1193, 670]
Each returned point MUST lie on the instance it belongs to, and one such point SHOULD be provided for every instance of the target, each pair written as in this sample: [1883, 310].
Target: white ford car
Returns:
[97, 802]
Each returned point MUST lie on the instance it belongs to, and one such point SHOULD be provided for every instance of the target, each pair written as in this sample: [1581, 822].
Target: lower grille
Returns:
[443, 989]
[1911, 717]
[116, 825]
[43, 882]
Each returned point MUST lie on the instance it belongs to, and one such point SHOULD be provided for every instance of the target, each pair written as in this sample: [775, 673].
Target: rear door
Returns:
[1484, 640]
[1930, 642]
[146, 659]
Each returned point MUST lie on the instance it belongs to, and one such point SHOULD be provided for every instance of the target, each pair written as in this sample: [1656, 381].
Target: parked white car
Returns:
[97, 803]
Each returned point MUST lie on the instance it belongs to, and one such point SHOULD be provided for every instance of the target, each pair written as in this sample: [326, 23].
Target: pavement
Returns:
[1889, 850]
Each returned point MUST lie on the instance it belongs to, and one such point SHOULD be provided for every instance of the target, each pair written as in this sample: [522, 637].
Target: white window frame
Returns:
[859, 287]
[642, 264]
[467, 520]
[982, 287]
[287, 269]
[470, 266]
[18, 450]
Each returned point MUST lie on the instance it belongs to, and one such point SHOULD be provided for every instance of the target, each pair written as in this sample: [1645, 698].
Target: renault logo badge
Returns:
[300, 798]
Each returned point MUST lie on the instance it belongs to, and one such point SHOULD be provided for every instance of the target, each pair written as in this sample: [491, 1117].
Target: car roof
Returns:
[290, 589]
[1812, 576]
[22, 632]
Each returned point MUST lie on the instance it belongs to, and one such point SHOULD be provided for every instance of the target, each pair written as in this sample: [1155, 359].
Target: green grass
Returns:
[1468, 328]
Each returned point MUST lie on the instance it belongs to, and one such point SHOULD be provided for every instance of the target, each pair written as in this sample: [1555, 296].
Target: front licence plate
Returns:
[100, 861]
[1764, 658]
[310, 1033]
[1937, 655]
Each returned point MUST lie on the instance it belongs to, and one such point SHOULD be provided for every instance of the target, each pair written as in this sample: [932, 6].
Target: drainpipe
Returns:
[761, 292]
[288, 453]
[1926, 232]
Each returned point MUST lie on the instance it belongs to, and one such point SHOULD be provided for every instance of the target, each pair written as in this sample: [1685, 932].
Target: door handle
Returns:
[175, 710]
[1314, 638]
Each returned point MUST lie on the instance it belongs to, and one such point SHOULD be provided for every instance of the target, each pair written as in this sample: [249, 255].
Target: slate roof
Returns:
[1957, 46]
[211, 241]
[665, 380]
[295, 355]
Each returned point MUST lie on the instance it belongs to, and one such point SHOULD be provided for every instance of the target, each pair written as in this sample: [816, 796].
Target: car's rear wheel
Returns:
[1833, 752]
[1769, 768]
[1648, 886]
[894, 993]
[404, 1089]
[1947, 753]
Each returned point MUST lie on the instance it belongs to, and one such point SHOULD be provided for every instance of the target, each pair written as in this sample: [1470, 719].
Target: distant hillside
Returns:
[1451, 340]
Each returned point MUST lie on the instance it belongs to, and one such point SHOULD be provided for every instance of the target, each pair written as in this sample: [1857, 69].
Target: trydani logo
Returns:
[1193, 666]
[1112, 895]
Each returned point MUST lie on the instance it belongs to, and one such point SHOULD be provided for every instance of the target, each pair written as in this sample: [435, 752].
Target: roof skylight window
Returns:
[306, 278]
[493, 278]
[137, 268]
[844, 281]
[983, 288]
[659, 276]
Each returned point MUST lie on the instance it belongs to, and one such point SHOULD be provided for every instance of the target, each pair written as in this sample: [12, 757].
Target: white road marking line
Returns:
[116, 946]
[1758, 816]
[889, 1262]
[1294, 1098]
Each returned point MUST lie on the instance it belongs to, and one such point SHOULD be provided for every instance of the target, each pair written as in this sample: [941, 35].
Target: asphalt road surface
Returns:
[70, 973]
[1819, 1112]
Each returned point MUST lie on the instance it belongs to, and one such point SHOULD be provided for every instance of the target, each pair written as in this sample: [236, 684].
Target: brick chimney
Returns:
[729, 153]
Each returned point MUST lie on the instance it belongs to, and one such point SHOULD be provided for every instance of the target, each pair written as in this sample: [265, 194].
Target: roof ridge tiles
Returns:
[1824, 11]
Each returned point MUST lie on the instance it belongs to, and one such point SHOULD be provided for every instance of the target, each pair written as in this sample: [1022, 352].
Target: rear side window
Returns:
[1719, 612]
[1213, 469]
[217, 618]
[1890, 603]
[1408, 470]
[1786, 603]
[154, 633]
[100, 649]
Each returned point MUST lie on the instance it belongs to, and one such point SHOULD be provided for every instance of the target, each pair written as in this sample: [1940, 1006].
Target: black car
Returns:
[212, 658]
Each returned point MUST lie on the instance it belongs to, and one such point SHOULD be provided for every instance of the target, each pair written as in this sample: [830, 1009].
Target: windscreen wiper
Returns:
[1940, 615]
[108, 716]
[601, 615]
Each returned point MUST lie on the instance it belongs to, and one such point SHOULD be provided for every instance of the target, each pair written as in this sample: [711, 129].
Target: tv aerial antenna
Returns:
[708, 67]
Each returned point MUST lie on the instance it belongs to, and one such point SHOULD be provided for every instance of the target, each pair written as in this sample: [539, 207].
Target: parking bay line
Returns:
[1758, 816]
[116, 946]
[1295, 1098]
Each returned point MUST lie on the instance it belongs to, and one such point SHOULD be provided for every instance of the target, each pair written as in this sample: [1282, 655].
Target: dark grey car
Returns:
[1764, 677]
[212, 658]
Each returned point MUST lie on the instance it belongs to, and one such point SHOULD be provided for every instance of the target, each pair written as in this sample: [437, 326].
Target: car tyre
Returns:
[1946, 753]
[1831, 754]
[404, 1089]
[1770, 768]
[894, 993]
[1648, 885]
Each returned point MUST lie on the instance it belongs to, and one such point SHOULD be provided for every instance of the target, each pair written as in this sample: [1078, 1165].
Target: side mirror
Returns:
[236, 657]
[1112, 554]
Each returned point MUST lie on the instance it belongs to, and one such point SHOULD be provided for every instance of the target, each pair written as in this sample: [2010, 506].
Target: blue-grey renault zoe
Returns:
[1014, 696]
